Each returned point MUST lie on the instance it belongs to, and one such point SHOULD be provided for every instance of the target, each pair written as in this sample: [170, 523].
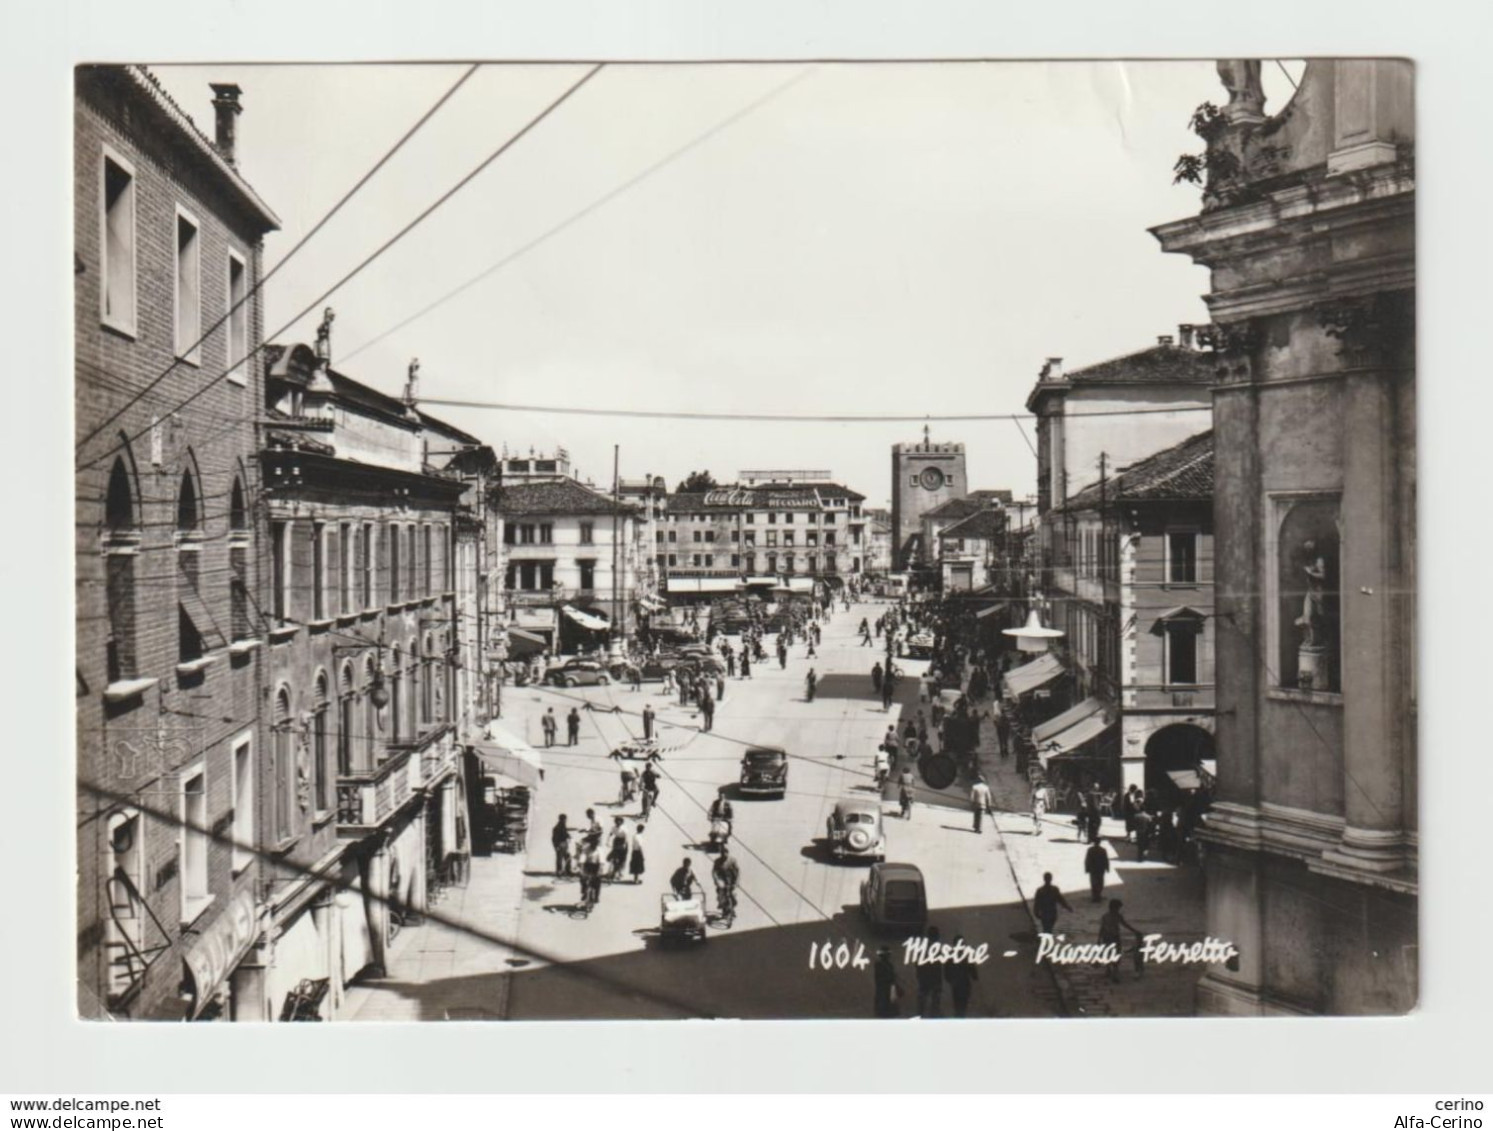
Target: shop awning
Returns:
[1075, 736]
[651, 603]
[585, 619]
[762, 581]
[1071, 717]
[220, 948]
[985, 612]
[522, 643]
[1032, 675]
[703, 585]
[1185, 779]
[801, 584]
[505, 752]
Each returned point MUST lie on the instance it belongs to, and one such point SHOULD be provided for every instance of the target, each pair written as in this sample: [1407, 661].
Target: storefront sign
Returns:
[222, 947]
[764, 500]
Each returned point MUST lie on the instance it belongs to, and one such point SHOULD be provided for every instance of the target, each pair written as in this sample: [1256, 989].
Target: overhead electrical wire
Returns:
[368, 260]
[287, 257]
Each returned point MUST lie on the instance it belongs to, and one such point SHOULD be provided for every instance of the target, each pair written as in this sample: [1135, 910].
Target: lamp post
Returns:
[1034, 636]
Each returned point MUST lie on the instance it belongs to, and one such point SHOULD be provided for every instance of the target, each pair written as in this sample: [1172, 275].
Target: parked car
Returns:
[856, 829]
[919, 646]
[577, 673]
[894, 897]
[654, 667]
[695, 662]
[764, 770]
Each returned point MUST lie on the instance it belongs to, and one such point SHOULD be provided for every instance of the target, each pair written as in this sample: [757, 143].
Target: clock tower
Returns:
[924, 475]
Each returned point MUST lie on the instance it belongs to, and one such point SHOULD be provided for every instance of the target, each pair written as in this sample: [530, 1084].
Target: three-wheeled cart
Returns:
[681, 919]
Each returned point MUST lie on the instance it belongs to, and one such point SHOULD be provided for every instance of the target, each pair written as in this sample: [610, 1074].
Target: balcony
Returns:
[366, 801]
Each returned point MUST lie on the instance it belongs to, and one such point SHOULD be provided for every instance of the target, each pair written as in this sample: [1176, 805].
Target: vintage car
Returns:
[855, 830]
[918, 646]
[894, 897]
[764, 771]
[576, 673]
[654, 667]
[695, 662]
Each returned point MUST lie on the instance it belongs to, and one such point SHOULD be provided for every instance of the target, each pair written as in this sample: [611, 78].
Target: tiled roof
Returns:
[1158, 365]
[1184, 471]
[983, 524]
[148, 85]
[556, 497]
[966, 505]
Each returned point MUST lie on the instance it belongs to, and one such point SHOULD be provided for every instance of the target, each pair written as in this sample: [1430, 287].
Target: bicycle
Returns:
[650, 799]
[725, 901]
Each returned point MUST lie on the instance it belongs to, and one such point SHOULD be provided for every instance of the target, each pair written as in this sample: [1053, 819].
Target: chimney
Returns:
[1187, 335]
[1053, 370]
[227, 109]
[1165, 340]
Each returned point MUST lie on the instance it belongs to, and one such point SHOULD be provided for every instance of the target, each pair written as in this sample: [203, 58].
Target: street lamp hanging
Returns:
[1033, 636]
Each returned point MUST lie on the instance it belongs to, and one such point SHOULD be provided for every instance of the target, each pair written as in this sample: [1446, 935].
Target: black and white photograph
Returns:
[805, 540]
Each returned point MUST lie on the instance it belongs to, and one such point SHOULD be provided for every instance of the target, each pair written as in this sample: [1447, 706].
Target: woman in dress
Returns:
[635, 867]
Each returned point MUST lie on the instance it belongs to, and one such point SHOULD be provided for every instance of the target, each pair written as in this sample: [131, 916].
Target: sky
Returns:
[786, 238]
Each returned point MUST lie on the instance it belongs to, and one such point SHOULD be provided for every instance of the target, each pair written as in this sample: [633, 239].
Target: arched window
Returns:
[346, 705]
[284, 765]
[238, 511]
[396, 697]
[370, 715]
[188, 505]
[121, 543]
[428, 682]
[320, 771]
[119, 503]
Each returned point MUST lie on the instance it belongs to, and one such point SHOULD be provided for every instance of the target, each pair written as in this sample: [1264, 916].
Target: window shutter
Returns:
[333, 559]
[384, 537]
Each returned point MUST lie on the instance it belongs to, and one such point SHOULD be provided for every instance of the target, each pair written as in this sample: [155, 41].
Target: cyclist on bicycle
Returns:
[883, 766]
[684, 882]
[591, 870]
[904, 792]
[650, 788]
[726, 874]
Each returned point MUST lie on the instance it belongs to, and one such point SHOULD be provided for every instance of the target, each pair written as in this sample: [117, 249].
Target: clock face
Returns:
[931, 478]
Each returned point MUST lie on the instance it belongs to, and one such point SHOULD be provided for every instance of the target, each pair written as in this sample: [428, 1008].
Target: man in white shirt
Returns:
[979, 798]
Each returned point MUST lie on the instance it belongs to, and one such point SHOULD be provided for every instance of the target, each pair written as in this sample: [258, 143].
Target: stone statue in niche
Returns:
[324, 335]
[1241, 78]
[1311, 666]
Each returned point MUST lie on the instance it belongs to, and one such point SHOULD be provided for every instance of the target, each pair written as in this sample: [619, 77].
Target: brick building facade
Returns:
[168, 381]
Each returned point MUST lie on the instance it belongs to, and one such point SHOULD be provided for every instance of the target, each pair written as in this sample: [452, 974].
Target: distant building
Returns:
[969, 549]
[924, 475]
[171, 763]
[935, 521]
[1308, 227]
[774, 527]
[878, 559]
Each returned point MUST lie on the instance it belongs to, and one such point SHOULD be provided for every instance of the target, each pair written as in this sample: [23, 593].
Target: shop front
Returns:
[212, 986]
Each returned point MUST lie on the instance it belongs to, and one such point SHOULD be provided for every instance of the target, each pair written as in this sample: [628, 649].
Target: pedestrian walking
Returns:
[591, 869]
[1039, 808]
[876, 676]
[629, 784]
[634, 677]
[1109, 935]
[1144, 829]
[617, 857]
[648, 716]
[960, 974]
[668, 688]
[573, 726]
[550, 726]
[979, 799]
[904, 792]
[886, 693]
[1096, 864]
[560, 841]
[730, 663]
[929, 977]
[888, 987]
[637, 865]
[684, 688]
[720, 687]
[810, 682]
[707, 711]
[746, 665]
[1045, 902]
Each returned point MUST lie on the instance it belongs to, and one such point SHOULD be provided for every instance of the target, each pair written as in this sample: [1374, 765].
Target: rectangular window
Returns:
[772, 537]
[787, 537]
[188, 288]
[320, 792]
[318, 571]
[238, 317]
[673, 536]
[528, 575]
[673, 559]
[811, 538]
[345, 713]
[194, 890]
[788, 517]
[393, 537]
[1181, 653]
[546, 533]
[771, 517]
[1182, 559]
[751, 537]
[345, 568]
[709, 560]
[117, 269]
[695, 559]
[411, 575]
[735, 536]
[238, 591]
[588, 533]
[509, 533]
[366, 561]
[546, 575]
[588, 574]
[243, 805]
[279, 570]
[429, 561]
[751, 519]
[658, 537]
[735, 561]
[526, 533]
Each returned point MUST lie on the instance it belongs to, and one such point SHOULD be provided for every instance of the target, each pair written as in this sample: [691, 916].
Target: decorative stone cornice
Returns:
[1369, 328]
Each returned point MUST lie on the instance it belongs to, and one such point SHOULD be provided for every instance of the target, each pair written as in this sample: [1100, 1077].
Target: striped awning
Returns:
[585, 619]
[1032, 675]
[1071, 717]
